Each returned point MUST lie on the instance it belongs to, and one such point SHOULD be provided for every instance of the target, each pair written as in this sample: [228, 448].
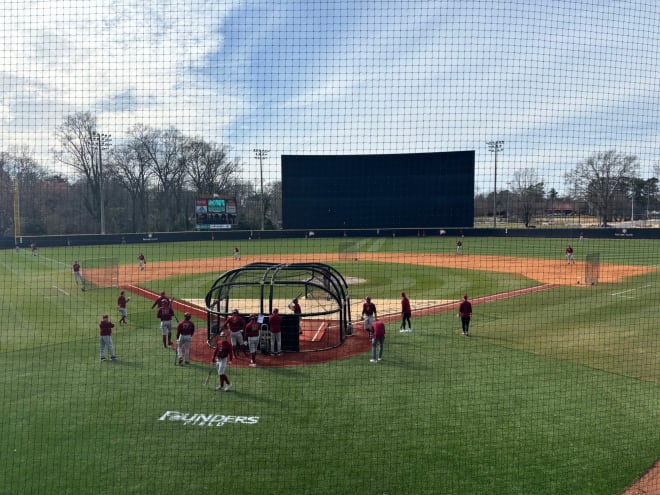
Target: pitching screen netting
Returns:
[163, 128]
[592, 268]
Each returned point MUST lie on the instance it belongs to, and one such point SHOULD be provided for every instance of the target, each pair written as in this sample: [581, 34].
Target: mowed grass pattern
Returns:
[556, 392]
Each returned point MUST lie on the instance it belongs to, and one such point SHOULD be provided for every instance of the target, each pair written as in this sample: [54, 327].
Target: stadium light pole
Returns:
[260, 154]
[495, 147]
[102, 141]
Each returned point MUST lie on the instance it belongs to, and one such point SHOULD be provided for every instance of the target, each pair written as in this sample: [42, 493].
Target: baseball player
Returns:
[161, 300]
[237, 253]
[121, 306]
[77, 275]
[465, 313]
[406, 312]
[252, 335]
[368, 314]
[459, 246]
[184, 333]
[105, 339]
[297, 310]
[165, 314]
[142, 262]
[223, 352]
[235, 324]
[569, 255]
[378, 339]
[275, 327]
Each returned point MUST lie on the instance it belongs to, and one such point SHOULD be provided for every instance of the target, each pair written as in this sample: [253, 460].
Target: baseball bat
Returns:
[208, 377]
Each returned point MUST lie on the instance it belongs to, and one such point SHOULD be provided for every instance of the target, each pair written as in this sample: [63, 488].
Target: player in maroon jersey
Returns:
[569, 255]
[121, 306]
[105, 339]
[406, 312]
[184, 333]
[297, 310]
[221, 356]
[465, 314]
[368, 314]
[252, 335]
[165, 314]
[235, 324]
[142, 261]
[77, 275]
[378, 339]
[275, 327]
[161, 300]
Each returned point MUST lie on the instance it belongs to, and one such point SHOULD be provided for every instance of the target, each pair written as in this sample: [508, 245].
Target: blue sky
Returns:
[555, 80]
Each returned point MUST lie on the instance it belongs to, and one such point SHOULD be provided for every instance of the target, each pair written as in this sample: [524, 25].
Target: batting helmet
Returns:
[187, 316]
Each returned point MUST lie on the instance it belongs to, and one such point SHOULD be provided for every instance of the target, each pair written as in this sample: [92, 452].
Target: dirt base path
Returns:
[544, 271]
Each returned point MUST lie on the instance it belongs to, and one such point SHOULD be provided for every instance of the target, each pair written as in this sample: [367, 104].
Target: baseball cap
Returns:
[275, 310]
[187, 316]
[105, 317]
[235, 310]
[465, 296]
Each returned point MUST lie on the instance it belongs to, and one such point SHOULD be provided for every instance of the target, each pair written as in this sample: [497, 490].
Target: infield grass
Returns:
[556, 392]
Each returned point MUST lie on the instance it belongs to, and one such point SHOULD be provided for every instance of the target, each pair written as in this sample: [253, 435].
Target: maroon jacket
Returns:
[105, 327]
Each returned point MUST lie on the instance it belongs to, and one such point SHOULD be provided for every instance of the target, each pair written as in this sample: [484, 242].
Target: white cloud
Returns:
[555, 80]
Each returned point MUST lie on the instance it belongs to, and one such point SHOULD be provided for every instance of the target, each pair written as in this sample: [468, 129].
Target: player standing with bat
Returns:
[222, 354]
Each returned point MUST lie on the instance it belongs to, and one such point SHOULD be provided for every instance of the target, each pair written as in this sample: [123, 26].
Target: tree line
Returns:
[146, 183]
[606, 186]
[149, 181]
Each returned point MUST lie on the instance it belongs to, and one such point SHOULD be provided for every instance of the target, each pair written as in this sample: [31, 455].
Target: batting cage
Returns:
[259, 288]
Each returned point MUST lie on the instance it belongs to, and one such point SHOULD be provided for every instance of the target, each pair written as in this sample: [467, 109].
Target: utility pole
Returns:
[102, 141]
[17, 211]
[260, 154]
[495, 147]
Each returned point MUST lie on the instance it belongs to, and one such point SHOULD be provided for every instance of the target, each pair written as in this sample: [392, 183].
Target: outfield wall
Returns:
[242, 235]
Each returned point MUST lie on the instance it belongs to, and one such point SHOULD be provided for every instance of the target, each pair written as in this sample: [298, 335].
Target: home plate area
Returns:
[318, 333]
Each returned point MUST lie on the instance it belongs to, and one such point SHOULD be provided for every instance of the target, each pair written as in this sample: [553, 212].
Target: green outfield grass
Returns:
[557, 392]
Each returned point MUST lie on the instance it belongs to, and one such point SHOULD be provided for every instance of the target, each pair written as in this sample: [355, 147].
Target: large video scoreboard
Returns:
[408, 190]
[215, 213]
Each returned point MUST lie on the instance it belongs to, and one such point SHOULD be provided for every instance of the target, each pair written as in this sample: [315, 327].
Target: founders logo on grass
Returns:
[207, 419]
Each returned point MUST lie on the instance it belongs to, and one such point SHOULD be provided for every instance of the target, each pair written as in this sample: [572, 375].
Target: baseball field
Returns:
[556, 391]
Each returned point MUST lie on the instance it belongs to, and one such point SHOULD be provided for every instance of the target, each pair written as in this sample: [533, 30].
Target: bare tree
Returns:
[530, 193]
[161, 150]
[208, 167]
[273, 204]
[76, 136]
[600, 177]
[132, 172]
[6, 195]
